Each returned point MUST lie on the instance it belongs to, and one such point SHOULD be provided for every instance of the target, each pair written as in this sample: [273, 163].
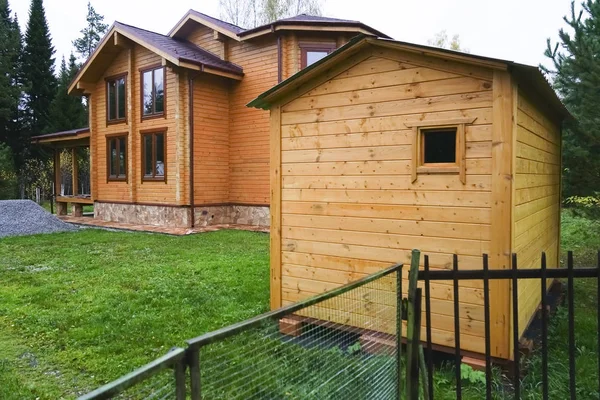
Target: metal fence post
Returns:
[179, 372]
[194, 363]
[399, 331]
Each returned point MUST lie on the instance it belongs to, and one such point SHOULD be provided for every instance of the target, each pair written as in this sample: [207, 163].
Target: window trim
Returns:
[153, 132]
[120, 137]
[143, 70]
[308, 47]
[107, 80]
[418, 156]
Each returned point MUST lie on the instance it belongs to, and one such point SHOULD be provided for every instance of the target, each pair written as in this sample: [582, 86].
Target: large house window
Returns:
[153, 92]
[116, 152]
[154, 155]
[116, 99]
[313, 52]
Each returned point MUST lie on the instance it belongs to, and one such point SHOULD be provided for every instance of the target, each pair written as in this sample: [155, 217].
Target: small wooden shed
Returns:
[385, 146]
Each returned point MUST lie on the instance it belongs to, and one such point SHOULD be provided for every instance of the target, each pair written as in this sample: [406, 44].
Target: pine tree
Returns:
[38, 75]
[576, 76]
[96, 28]
[67, 112]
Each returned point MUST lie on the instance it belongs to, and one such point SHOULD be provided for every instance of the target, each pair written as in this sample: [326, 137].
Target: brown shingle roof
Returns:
[223, 24]
[180, 49]
[305, 19]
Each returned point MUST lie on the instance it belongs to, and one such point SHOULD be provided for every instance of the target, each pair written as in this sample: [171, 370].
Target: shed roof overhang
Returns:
[122, 36]
[530, 78]
[70, 138]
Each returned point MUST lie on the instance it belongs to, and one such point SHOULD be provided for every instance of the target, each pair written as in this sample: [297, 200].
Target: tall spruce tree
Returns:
[91, 34]
[10, 76]
[38, 74]
[67, 112]
[576, 76]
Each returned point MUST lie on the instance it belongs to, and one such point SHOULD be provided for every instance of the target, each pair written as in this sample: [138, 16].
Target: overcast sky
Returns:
[510, 29]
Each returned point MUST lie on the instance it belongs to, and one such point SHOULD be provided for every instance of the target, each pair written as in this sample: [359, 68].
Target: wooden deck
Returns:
[96, 223]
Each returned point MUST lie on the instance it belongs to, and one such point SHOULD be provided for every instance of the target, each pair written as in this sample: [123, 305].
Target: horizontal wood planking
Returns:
[388, 108]
[397, 197]
[477, 133]
[385, 182]
[537, 208]
[134, 189]
[211, 140]
[349, 205]
[424, 86]
[249, 128]
[370, 124]
[424, 228]
[389, 255]
[426, 244]
[481, 166]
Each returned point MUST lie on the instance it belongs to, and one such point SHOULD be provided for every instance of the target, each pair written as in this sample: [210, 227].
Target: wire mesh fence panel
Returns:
[339, 348]
[163, 378]
[159, 386]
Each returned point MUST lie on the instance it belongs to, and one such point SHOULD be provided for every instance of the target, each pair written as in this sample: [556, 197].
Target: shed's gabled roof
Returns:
[529, 76]
[177, 51]
[302, 21]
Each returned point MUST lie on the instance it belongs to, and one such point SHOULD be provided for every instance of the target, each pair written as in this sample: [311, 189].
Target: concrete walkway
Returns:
[96, 223]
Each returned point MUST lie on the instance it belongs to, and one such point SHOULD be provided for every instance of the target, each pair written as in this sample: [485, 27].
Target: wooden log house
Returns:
[171, 140]
[385, 146]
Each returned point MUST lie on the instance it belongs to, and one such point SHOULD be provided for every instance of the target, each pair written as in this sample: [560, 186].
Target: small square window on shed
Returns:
[439, 147]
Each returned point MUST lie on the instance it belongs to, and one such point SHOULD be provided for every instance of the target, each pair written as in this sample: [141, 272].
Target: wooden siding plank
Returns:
[502, 136]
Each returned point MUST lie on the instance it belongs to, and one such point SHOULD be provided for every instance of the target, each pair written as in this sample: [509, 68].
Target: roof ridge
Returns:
[141, 29]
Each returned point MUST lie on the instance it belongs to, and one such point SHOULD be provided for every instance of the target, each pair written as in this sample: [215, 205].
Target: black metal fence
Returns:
[543, 274]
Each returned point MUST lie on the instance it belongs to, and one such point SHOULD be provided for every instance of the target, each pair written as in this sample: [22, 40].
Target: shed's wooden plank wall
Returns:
[348, 204]
[134, 190]
[537, 199]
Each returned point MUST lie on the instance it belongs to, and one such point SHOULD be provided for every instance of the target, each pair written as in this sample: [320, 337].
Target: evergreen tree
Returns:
[10, 81]
[67, 112]
[38, 74]
[576, 76]
[91, 35]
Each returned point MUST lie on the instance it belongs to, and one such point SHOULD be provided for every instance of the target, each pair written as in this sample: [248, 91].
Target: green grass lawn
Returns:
[80, 309]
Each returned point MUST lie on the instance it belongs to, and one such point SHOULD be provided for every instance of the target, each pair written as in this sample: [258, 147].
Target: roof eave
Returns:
[197, 18]
[285, 25]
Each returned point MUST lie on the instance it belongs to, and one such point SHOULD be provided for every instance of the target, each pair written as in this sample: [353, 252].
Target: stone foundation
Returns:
[232, 214]
[138, 214]
[173, 216]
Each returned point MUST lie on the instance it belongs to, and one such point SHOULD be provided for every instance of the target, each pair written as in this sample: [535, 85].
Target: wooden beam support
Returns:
[218, 36]
[501, 209]
[75, 171]
[121, 41]
[57, 175]
[275, 146]
[86, 87]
